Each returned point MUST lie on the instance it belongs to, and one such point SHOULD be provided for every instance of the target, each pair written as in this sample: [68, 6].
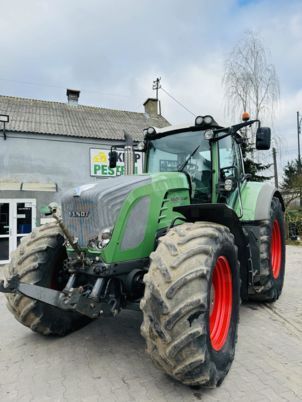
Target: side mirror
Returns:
[263, 138]
[112, 159]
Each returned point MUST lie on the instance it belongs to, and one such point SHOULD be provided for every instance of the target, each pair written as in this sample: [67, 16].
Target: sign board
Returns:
[99, 163]
[168, 165]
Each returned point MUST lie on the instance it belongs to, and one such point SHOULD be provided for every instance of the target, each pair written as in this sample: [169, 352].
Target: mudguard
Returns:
[256, 201]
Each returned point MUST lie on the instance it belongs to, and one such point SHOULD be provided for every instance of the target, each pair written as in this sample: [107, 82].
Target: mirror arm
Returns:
[233, 129]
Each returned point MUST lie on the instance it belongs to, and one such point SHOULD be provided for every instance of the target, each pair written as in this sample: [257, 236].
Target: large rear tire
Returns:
[39, 260]
[272, 255]
[191, 303]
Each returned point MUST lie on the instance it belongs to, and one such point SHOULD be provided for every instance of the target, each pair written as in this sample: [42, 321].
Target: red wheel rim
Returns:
[276, 249]
[221, 303]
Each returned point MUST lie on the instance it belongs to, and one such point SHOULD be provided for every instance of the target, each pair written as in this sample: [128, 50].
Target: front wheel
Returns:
[39, 260]
[191, 303]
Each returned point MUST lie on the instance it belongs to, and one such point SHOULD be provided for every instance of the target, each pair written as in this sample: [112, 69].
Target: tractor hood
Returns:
[88, 209]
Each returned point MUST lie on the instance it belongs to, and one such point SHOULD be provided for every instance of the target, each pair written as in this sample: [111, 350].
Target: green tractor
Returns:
[184, 243]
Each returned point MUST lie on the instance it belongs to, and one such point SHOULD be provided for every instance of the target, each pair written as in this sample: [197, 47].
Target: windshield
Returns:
[168, 154]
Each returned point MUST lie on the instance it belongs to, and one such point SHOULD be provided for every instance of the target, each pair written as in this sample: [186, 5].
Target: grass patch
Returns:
[293, 242]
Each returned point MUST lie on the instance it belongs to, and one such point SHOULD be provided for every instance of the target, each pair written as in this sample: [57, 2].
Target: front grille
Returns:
[96, 207]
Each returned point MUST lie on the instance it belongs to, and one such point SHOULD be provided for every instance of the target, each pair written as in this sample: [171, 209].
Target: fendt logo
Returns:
[78, 214]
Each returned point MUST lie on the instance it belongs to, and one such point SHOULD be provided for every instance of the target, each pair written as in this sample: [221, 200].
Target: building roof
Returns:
[55, 118]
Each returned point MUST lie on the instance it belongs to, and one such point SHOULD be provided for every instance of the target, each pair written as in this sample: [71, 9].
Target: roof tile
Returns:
[44, 117]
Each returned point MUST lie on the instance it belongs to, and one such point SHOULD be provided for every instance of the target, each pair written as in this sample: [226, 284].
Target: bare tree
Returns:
[251, 84]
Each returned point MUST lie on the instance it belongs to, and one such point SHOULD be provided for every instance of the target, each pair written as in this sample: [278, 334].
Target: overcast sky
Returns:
[112, 50]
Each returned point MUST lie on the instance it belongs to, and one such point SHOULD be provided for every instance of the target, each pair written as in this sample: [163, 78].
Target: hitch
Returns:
[77, 299]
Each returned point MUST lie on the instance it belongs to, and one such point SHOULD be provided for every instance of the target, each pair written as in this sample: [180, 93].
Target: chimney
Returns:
[73, 96]
[151, 106]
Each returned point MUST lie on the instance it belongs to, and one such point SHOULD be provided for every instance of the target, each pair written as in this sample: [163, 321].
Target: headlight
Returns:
[106, 234]
[228, 185]
[103, 243]
[104, 237]
[209, 134]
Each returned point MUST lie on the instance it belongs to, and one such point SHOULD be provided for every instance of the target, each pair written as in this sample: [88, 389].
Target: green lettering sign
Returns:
[96, 168]
[104, 170]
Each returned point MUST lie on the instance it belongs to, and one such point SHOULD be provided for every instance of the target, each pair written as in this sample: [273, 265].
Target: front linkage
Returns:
[101, 293]
[101, 300]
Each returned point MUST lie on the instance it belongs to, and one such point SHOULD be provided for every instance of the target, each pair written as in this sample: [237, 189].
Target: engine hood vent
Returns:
[91, 208]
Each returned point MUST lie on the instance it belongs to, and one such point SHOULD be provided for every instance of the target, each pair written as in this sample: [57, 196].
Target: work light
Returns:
[228, 185]
[198, 121]
[208, 120]
[209, 134]
[140, 146]
[151, 130]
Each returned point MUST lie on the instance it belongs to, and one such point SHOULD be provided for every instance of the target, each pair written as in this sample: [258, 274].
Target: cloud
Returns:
[113, 50]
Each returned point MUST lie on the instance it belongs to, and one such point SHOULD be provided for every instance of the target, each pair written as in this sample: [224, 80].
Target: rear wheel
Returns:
[39, 260]
[272, 255]
[191, 303]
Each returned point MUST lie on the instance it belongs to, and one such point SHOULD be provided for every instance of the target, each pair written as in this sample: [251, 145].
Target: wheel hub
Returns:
[276, 249]
[220, 303]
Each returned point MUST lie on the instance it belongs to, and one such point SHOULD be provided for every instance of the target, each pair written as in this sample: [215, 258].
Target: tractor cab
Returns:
[209, 155]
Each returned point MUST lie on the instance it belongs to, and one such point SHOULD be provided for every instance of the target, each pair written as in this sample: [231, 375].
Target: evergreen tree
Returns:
[292, 182]
[250, 166]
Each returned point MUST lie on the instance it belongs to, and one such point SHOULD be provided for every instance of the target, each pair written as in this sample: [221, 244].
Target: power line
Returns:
[59, 87]
[177, 101]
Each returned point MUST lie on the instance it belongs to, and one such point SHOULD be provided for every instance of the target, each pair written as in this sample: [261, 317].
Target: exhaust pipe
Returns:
[128, 155]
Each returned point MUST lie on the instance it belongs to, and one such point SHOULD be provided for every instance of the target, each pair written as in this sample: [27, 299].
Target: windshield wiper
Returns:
[184, 164]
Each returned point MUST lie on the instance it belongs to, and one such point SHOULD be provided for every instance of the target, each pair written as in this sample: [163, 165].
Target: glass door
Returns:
[24, 214]
[5, 227]
[17, 219]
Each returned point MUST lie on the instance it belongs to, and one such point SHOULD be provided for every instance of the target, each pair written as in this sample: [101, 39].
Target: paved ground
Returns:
[106, 361]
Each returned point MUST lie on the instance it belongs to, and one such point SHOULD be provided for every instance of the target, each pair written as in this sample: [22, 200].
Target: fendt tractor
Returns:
[184, 243]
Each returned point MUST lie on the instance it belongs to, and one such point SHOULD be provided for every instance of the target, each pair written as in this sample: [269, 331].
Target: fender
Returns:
[217, 213]
[256, 201]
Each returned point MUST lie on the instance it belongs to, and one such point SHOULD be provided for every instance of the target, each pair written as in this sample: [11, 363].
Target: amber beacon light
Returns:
[245, 116]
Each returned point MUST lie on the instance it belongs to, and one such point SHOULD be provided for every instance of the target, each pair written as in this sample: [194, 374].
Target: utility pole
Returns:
[299, 132]
[156, 86]
[275, 167]
[299, 152]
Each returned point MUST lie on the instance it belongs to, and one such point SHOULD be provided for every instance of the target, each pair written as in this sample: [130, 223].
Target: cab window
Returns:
[230, 158]
[168, 154]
